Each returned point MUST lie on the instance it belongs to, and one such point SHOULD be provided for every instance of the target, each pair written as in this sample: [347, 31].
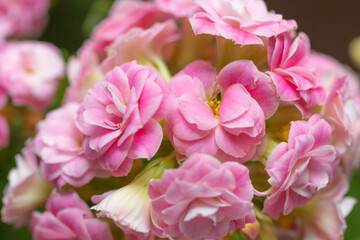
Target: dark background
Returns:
[330, 24]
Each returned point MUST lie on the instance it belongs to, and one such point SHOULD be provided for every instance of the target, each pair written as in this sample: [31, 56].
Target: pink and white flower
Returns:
[300, 168]
[30, 72]
[146, 46]
[325, 214]
[27, 189]
[125, 15]
[224, 118]
[63, 160]
[295, 83]
[244, 22]
[83, 71]
[67, 216]
[202, 199]
[119, 117]
[23, 18]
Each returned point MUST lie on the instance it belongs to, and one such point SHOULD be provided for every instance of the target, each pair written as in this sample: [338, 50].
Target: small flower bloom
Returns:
[23, 18]
[324, 216]
[83, 71]
[145, 46]
[224, 118]
[62, 157]
[67, 216]
[30, 72]
[299, 169]
[202, 199]
[242, 21]
[125, 15]
[119, 117]
[295, 84]
[26, 191]
[129, 206]
[341, 107]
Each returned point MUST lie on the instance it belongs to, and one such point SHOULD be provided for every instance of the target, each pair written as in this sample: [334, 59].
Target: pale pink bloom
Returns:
[82, 71]
[143, 45]
[326, 218]
[351, 158]
[129, 208]
[342, 106]
[119, 117]
[295, 83]
[125, 15]
[334, 113]
[58, 143]
[242, 21]
[26, 190]
[67, 216]
[299, 169]
[30, 72]
[23, 18]
[225, 117]
[203, 198]
[178, 8]
[325, 68]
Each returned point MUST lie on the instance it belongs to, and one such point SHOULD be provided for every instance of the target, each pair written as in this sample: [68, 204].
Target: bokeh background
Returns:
[330, 24]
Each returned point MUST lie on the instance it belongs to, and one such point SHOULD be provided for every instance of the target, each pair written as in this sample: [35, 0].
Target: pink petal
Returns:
[197, 112]
[146, 141]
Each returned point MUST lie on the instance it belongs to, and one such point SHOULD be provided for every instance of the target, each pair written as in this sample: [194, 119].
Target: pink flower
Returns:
[295, 84]
[24, 17]
[324, 216]
[242, 21]
[30, 72]
[67, 216]
[142, 45]
[119, 117]
[124, 16]
[224, 118]
[60, 149]
[128, 207]
[26, 191]
[334, 113]
[299, 169]
[179, 8]
[341, 107]
[202, 199]
[83, 71]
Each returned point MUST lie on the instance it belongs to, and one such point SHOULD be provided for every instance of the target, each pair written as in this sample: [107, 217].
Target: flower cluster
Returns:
[208, 116]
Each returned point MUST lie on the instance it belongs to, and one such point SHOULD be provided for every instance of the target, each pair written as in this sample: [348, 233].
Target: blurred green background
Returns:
[72, 20]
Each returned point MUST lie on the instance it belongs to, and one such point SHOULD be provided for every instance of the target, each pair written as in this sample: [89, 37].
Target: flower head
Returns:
[62, 157]
[295, 83]
[68, 216]
[119, 117]
[30, 72]
[226, 117]
[202, 199]
[129, 206]
[242, 21]
[300, 168]
[23, 18]
[27, 189]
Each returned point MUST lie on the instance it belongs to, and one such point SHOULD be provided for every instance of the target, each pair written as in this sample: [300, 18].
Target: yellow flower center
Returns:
[214, 104]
